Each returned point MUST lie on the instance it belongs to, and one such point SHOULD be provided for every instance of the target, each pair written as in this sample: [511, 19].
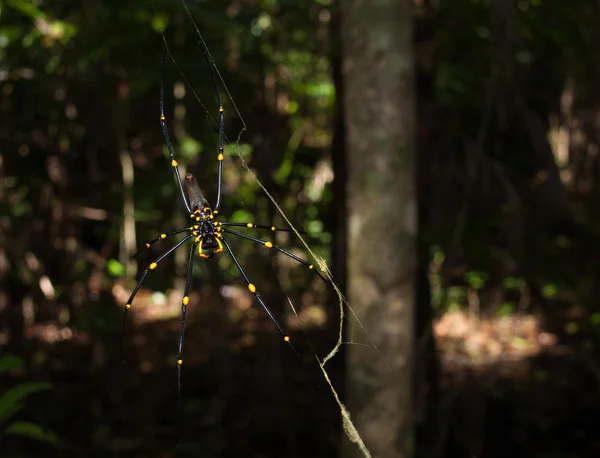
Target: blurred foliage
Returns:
[79, 95]
[12, 402]
[512, 220]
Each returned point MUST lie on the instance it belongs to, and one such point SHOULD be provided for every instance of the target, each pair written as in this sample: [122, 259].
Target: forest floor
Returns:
[510, 388]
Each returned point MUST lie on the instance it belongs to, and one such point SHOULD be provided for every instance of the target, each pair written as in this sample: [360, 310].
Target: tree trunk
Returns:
[382, 225]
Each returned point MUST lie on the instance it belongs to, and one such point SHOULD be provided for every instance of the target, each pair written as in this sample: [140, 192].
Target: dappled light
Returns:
[51, 334]
[464, 340]
[495, 127]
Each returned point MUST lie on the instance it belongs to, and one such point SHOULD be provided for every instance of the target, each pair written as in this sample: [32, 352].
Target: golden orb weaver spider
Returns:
[207, 234]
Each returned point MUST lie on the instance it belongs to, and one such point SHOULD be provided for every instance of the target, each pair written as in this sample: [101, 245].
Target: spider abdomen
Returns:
[209, 245]
[208, 239]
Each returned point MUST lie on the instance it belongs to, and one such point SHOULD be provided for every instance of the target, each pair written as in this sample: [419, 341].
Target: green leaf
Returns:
[292, 107]
[10, 401]
[10, 411]
[314, 227]
[190, 148]
[572, 328]
[115, 268]
[476, 279]
[319, 89]
[160, 22]
[9, 362]
[27, 8]
[242, 216]
[456, 296]
[513, 282]
[519, 343]
[241, 149]
[80, 265]
[507, 308]
[549, 291]
[32, 431]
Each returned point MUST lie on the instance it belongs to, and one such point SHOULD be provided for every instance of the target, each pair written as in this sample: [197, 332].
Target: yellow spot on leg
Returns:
[174, 163]
[180, 361]
[286, 338]
[186, 300]
[268, 244]
[147, 245]
[251, 287]
[153, 266]
[162, 118]
[273, 228]
[163, 236]
[220, 157]
[311, 267]
[128, 306]
[250, 225]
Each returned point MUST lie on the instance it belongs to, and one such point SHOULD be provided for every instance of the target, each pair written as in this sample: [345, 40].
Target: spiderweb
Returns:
[349, 428]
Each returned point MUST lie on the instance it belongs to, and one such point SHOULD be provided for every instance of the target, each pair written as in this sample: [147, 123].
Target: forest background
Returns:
[507, 120]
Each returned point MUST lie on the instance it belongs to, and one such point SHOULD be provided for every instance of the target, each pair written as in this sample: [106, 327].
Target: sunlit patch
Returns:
[464, 339]
[153, 305]
[247, 340]
[311, 316]
[46, 287]
[52, 333]
[239, 298]
[159, 298]
[285, 262]
[322, 176]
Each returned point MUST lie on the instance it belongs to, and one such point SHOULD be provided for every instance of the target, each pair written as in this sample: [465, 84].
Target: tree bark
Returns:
[382, 219]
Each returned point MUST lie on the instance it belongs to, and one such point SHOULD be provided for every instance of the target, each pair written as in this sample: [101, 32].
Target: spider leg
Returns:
[268, 244]
[220, 148]
[184, 303]
[152, 266]
[253, 290]
[163, 125]
[161, 237]
[258, 226]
